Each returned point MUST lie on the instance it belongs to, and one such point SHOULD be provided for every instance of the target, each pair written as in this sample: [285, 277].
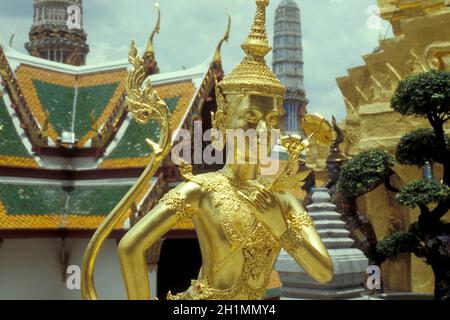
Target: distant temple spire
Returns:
[287, 62]
[57, 32]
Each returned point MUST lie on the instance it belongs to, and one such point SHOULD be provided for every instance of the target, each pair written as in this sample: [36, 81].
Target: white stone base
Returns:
[349, 264]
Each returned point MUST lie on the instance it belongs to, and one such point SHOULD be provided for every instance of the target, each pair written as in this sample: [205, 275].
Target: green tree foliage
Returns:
[419, 146]
[364, 172]
[427, 95]
[417, 241]
[423, 192]
[398, 243]
[424, 94]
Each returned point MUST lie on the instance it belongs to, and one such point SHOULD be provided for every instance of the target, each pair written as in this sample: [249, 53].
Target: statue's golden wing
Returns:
[317, 127]
[291, 182]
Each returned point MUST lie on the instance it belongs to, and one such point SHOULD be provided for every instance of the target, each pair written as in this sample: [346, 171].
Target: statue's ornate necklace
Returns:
[235, 213]
[238, 183]
[243, 232]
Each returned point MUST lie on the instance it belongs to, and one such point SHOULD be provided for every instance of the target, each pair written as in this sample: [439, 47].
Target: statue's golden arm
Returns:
[172, 208]
[303, 242]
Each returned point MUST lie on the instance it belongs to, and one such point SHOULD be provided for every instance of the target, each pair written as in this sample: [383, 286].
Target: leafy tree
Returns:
[365, 172]
[419, 146]
[422, 95]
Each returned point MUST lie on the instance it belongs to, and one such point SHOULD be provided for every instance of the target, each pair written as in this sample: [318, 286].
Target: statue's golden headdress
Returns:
[252, 76]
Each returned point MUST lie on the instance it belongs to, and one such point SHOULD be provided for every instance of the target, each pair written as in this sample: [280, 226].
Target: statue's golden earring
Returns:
[218, 119]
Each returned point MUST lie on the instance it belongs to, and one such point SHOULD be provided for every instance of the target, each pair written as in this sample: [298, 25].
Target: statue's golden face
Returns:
[253, 114]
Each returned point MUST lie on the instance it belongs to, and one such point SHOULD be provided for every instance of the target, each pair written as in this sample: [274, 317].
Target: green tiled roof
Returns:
[58, 101]
[21, 199]
[96, 200]
[91, 99]
[132, 144]
[32, 199]
[10, 142]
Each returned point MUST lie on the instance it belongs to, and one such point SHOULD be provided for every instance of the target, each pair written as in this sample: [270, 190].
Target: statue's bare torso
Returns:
[238, 252]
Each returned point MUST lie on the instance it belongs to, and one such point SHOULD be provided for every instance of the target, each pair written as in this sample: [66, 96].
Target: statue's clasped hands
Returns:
[268, 210]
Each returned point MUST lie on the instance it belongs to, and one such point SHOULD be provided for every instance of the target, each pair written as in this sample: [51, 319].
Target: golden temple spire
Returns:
[217, 60]
[150, 51]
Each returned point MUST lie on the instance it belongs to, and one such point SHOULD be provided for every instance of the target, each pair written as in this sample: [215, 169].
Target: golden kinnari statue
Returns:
[242, 220]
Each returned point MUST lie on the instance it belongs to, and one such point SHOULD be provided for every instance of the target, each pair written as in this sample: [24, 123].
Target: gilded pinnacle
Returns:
[257, 45]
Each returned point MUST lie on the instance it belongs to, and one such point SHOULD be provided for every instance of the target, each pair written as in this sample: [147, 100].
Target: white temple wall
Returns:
[32, 269]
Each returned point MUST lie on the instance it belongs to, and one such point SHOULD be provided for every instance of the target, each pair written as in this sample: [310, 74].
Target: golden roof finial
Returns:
[217, 56]
[150, 51]
[11, 39]
[252, 76]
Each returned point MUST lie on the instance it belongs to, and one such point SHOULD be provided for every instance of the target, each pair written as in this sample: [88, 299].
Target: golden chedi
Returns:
[242, 220]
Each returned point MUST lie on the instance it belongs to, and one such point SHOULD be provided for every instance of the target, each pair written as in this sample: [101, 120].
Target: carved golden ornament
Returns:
[252, 76]
[144, 104]
[438, 55]
[292, 239]
[291, 182]
[200, 290]
[177, 202]
[230, 205]
[218, 119]
[317, 128]
[293, 144]
[298, 221]
[185, 170]
[314, 125]
[288, 179]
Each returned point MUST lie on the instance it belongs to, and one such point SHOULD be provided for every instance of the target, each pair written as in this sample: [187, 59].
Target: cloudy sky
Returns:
[335, 35]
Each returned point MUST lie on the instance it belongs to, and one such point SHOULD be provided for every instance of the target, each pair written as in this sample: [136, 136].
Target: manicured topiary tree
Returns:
[423, 95]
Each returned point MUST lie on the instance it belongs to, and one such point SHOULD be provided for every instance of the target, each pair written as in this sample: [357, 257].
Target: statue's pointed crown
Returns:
[252, 76]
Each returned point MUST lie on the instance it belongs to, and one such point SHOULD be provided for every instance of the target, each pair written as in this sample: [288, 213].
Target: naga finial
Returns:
[217, 61]
[150, 51]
